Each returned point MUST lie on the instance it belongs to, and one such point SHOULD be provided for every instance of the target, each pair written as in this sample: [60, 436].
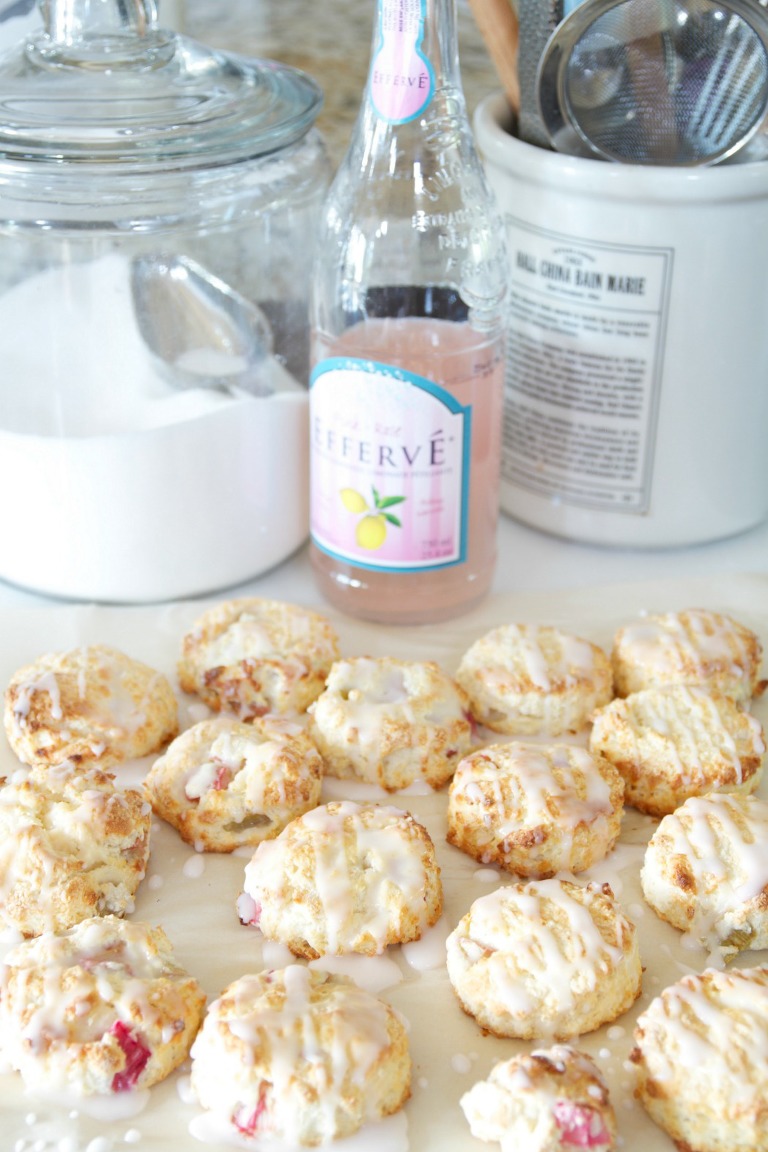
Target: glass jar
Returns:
[159, 204]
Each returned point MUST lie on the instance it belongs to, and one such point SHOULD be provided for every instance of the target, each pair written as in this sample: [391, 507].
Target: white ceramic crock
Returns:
[636, 402]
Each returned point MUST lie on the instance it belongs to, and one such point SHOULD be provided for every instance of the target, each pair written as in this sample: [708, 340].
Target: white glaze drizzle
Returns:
[521, 785]
[352, 854]
[723, 838]
[716, 1021]
[287, 1027]
[664, 644]
[537, 948]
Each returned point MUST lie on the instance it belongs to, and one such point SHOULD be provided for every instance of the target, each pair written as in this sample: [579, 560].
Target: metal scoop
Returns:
[676, 82]
[201, 333]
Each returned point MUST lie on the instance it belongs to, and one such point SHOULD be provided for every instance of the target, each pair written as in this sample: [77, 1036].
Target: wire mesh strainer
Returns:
[656, 81]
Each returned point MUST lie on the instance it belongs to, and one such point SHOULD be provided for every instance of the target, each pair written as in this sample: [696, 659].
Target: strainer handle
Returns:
[498, 25]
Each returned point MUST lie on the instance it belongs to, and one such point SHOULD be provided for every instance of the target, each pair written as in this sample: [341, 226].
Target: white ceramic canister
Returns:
[636, 395]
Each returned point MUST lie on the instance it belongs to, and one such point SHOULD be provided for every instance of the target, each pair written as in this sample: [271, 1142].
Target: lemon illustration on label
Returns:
[352, 500]
[371, 530]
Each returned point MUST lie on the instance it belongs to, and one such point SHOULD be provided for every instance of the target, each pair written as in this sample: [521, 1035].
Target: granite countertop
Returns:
[331, 41]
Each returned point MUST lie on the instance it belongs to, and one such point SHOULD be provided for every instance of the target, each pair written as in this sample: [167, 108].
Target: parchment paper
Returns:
[193, 896]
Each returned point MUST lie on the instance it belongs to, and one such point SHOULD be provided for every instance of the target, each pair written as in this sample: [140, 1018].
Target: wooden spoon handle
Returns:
[497, 22]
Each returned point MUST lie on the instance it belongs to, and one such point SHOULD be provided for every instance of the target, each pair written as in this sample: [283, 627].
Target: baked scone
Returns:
[344, 877]
[679, 741]
[706, 871]
[526, 679]
[391, 722]
[535, 809]
[224, 783]
[700, 1051]
[301, 1056]
[72, 846]
[544, 959]
[551, 1100]
[91, 705]
[694, 647]
[99, 1009]
[251, 656]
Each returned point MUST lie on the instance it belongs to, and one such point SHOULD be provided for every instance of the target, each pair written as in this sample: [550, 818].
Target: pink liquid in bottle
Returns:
[468, 365]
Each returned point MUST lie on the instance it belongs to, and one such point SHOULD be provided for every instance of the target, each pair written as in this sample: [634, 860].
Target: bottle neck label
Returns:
[390, 462]
[402, 80]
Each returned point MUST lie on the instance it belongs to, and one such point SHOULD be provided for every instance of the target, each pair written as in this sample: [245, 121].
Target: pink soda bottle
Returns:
[407, 302]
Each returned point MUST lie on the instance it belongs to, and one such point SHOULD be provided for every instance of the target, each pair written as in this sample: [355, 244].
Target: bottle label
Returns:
[402, 80]
[390, 456]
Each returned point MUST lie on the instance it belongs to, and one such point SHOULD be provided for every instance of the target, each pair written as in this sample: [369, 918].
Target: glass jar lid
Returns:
[101, 83]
